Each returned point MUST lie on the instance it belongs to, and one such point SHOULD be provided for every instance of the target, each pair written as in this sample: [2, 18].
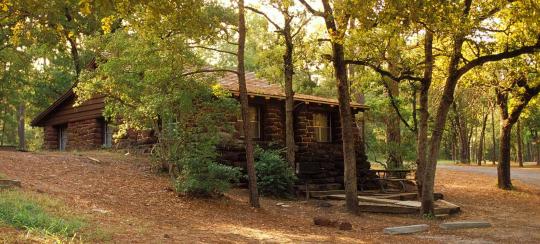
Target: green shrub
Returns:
[274, 176]
[207, 179]
[22, 211]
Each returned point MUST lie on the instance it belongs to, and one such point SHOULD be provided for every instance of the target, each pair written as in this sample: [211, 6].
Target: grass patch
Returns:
[37, 213]
[2, 176]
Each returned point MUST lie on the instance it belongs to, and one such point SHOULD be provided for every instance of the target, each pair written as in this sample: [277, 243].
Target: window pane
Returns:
[320, 119]
[254, 120]
[253, 114]
[255, 129]
[321, 126]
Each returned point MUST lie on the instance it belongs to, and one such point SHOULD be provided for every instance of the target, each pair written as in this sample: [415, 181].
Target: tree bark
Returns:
[519, 145]
[538, 153]
[480, 151]
[461, 124]
[422, 136]
[244, 103]
[73, 45]
[503, 168]
[289, 94]
[346, 117]
[20, 128]
[493, 136]
[393, 132]
[440, 121]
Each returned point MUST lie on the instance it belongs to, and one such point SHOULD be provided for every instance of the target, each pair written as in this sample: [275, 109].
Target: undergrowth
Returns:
[36, 213]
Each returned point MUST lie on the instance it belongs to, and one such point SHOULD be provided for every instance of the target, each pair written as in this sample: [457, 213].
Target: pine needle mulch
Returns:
[126, 197]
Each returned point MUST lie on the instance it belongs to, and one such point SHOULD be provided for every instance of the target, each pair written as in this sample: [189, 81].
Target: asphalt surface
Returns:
[526, 175]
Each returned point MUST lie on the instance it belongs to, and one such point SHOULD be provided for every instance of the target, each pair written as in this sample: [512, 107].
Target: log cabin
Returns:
[317, 129]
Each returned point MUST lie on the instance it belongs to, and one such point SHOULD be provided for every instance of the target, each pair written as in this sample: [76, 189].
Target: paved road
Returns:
[527, 175]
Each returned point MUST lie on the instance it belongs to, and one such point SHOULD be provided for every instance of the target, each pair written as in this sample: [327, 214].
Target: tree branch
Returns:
[265, 16]
[499, 56]
[311, 9]
[213, 49]
[384, 72]
[396, 107]
[208, 71]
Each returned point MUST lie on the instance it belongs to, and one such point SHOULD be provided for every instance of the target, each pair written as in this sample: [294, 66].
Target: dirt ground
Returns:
[124, 196]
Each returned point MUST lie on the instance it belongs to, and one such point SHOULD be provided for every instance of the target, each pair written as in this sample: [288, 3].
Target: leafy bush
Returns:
[207, 179]
[22, 211]
[274, 176]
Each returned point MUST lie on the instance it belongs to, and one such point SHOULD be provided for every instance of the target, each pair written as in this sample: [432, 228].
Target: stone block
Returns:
[402, 230]
[464, 225]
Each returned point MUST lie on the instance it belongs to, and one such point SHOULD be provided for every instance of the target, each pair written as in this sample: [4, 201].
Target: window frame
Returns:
[317, 130]
[257, 122]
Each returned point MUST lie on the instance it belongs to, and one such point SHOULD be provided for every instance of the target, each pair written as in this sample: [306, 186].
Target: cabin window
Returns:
[254, 120]
[322, 127]
[62, 137]
[107, 135]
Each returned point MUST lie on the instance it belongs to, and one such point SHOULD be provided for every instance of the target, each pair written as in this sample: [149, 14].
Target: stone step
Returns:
[409, 229]
[464, 225]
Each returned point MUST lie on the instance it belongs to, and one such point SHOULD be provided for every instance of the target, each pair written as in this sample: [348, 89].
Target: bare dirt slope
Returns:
[124, 196]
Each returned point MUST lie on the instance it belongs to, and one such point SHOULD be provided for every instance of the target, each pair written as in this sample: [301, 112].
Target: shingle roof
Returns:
[255, 87]
[260, 87]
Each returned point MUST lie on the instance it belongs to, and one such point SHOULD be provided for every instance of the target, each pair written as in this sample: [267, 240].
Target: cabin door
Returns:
[62, 138]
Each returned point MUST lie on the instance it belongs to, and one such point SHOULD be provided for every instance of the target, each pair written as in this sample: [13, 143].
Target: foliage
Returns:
[147, 89]
[206, 178]
[23, 211]
[274, 176]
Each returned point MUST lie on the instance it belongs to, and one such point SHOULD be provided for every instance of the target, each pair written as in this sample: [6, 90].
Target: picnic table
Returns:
[392, 175]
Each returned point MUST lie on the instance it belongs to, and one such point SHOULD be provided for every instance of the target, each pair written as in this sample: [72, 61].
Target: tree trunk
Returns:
[519, 144]
[244, 103]
[503, 169]
[20, 129]
[538, 153]
[440, 121]
[494, 141]
[480, 152]
[422, 136]
[73, 45]
[528, 152]
[346, 117]
[289, 95]
[393, 132]
[461, 123]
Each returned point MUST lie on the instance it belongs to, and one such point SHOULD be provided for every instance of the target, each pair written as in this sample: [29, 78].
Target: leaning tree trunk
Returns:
[422, 136]
[480, 152]
[519, 144]
[20, 128]
[349, 154]
[439, 124]
[244, 103]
